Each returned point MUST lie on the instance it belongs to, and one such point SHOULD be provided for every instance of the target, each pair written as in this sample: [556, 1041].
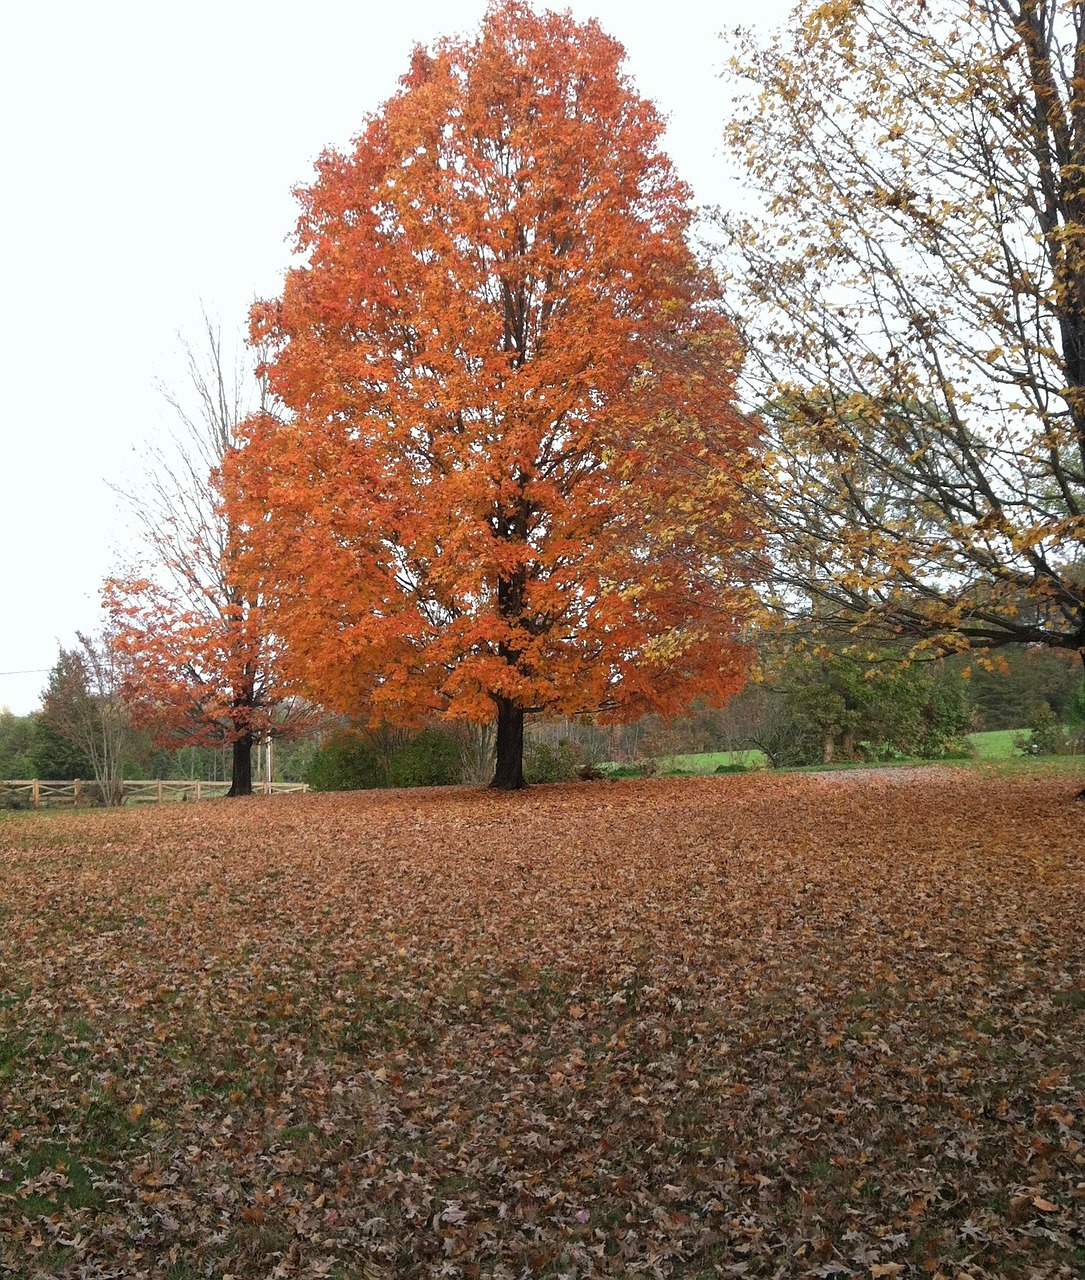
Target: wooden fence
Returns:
[40, 793]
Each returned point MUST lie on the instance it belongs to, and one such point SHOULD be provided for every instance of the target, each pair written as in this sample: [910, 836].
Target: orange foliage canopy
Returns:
[200, 669]
[510, 471]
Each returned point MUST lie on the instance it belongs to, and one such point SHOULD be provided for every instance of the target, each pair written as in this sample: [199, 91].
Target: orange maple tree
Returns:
[509, 480]
[201, 665]
[200, 669]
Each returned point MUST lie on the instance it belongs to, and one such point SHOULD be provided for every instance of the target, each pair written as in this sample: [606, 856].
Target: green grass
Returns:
[67, 1182]
[997, 744]
[695, 764]
[709, 761]
[992, 748]
[995, 750]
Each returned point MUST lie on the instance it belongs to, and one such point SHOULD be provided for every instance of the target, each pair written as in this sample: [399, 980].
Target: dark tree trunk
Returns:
[1081, 793]
[509, 774]
[241, 770]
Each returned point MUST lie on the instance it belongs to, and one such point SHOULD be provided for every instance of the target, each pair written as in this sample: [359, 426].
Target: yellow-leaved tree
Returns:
[914, 288]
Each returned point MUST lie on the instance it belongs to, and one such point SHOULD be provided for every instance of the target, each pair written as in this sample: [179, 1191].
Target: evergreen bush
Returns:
[430, 759]
[544, 763]
[346, 763]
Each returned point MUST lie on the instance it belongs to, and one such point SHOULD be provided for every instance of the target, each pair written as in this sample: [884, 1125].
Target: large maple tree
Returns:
[509, 478]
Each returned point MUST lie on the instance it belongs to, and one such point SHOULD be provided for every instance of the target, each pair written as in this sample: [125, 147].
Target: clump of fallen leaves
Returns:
[745, 1026]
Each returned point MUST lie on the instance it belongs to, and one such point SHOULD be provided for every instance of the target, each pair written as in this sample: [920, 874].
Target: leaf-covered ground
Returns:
[747, 1026]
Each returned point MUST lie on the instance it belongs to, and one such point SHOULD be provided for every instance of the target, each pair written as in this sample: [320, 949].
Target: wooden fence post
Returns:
[159, 790]
[35, 792]
[78, 790]
[197, 788]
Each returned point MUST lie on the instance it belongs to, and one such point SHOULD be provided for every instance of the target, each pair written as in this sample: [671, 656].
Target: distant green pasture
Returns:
[695, 765]
[997, 745]
[710, 761]
[994, 748]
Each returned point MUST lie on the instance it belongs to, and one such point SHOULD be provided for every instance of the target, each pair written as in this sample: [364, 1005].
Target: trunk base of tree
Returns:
[509, 771]
[241, 770]
[1081, 792]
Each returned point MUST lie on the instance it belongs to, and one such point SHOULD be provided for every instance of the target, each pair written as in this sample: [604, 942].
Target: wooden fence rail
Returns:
[42, 793]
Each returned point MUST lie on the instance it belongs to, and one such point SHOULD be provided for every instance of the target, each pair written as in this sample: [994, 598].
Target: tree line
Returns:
[805, 707]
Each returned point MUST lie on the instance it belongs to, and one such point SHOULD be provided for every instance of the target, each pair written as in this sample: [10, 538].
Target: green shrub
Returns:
[430, 759]
[1046, 737]
[1075, 721]
[544, 763]
[1075, 715]
[347, 762]
[830, 706]
[31, 748]
[293, 760]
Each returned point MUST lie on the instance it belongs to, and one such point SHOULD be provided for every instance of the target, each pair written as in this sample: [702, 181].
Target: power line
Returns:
[30, 671]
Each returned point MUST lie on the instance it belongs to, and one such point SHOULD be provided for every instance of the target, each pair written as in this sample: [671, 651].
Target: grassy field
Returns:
[996, 746]
[701, 764]
[767, 1026]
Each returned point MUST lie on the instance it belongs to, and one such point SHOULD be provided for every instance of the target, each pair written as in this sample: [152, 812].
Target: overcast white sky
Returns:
[148, 153]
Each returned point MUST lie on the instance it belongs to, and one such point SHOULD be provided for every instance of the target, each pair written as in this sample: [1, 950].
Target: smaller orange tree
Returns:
[509, 478]
[201, 666]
